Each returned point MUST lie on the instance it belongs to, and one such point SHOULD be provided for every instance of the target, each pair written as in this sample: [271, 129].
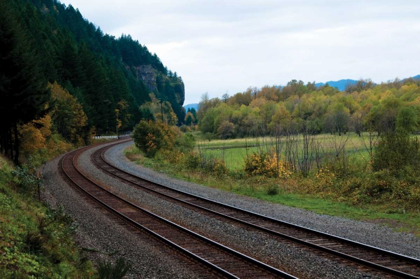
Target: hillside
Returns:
[99, 69]
[36, 241]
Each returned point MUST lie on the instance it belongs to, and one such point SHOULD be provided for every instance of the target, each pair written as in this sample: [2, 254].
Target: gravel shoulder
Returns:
[365, 232]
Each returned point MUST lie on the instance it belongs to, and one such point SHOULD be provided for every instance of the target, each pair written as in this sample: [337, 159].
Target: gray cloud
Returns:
[218, 46]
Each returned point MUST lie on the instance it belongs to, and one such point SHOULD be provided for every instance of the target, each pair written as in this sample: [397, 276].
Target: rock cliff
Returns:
[147, 74]
[166, 88]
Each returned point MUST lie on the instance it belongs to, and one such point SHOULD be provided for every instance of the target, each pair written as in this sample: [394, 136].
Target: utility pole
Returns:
[38, 182]
[161, 109]
[117, 112]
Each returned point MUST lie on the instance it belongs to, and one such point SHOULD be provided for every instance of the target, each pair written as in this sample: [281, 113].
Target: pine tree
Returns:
[23, 90]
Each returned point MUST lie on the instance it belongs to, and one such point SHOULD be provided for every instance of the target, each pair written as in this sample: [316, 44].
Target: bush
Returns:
[219, 168]
[107, 270]
[185, 143]
[171, 156]
[185, 129]
[150, 137]
[379, 187]
[210, 136]
[27, 177]
[192, 161]
[214, 166]
[259, 164]
[272, 190]
[265, 164]
[325, 178]
[226, 130]
[396, 150]
[37, 241]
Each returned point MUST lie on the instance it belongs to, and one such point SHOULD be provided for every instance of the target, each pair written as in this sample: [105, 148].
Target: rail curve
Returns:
[365, 255]
[219, 259]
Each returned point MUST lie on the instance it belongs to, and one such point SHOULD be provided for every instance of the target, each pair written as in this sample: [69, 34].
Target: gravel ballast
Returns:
[284, 256]
[281, 254]
[101, 233]
[106, 239]
[365, 232]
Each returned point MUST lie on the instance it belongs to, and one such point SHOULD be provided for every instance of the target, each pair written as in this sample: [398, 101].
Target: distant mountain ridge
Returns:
[190, 106]
[342, 83]
[416, 77]
[339, 84]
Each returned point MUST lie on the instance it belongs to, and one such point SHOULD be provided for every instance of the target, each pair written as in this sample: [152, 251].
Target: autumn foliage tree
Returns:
[300, 107]
[397, 151]
[50, 135]
[122, 115]
[189, 118]
[161, 110]
[226, 130]
[150, 137]
[35, 134]
[68, 116]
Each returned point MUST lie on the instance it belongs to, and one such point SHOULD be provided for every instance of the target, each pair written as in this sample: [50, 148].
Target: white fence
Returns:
[113, 137]
[105, 137]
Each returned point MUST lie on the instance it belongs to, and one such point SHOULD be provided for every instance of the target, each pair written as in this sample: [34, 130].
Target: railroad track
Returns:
[364, 255]
[219, 259]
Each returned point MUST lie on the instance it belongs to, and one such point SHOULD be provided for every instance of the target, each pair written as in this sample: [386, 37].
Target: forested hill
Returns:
[98, 69]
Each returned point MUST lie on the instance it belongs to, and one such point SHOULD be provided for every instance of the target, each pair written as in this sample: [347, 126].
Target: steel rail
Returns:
[269, 269]
[98, 157]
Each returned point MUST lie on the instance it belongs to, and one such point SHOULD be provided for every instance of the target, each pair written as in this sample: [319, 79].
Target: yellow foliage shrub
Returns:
[266, 164]
[57, 145]
[219, 168]
[172, 156]
[32, 139]
[46, 124]
[325, 176]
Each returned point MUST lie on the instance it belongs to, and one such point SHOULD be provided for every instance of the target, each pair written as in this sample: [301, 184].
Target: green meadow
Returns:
[234, 151]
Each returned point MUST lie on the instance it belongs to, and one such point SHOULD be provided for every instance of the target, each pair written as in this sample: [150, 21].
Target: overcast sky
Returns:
[228, 46]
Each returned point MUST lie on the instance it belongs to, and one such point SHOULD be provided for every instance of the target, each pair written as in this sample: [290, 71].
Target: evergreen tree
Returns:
[99, 70]
[23, 90]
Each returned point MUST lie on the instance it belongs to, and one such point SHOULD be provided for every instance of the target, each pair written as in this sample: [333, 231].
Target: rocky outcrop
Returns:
[167, 88]
[180, 93]
[147, 74]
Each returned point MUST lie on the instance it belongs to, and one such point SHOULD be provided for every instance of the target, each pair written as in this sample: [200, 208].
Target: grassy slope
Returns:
[35, 240]
[257, 188]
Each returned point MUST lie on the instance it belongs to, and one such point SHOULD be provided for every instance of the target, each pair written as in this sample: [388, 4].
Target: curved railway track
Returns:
[219, 259]
[364, 255]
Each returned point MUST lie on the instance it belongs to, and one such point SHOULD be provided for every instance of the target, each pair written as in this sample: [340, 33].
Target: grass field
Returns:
[234, 151]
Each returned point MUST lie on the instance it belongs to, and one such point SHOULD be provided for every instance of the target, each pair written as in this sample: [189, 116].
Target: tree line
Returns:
[304, 107]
